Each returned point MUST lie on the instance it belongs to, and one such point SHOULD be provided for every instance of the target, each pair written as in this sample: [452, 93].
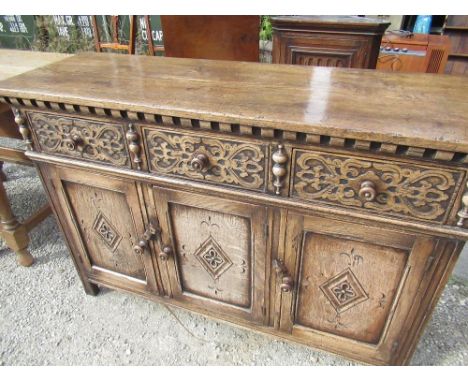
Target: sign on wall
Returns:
[72, 33]
[17, 32]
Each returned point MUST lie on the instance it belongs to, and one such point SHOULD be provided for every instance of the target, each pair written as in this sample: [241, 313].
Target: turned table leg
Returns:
[3, 177]
[14, 233]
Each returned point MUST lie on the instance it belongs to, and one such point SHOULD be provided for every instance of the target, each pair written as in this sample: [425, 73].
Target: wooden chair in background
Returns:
[15, 234]
[116, 44]
[233, 38]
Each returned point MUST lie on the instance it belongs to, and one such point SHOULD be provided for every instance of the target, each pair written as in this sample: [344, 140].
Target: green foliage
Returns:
[266, 29]
[48, 39]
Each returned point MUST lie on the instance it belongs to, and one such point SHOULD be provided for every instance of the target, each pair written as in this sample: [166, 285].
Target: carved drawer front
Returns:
[217, 252]
[236, 163]
[390, 188]
[104, 223]
[80, 138]
[354, 285]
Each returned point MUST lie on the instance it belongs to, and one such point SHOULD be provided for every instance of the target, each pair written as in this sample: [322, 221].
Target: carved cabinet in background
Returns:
[336, 41]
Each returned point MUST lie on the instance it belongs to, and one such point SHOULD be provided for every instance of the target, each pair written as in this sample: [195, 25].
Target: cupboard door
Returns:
[217, 252]
[103, 221]
[354, 285]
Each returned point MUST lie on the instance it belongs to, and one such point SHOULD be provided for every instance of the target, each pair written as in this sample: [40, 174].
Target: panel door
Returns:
[103, 222]
[354, 285]
[216, 252]
[327, 50]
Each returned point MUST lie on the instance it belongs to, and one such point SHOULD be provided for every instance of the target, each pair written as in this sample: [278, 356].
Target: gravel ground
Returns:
[47, 319]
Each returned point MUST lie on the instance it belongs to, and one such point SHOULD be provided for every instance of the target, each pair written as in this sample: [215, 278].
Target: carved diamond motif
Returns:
[212, 257]
[106, 231]
[344, 291]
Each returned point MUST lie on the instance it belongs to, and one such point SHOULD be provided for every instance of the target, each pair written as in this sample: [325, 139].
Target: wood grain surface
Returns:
[14, 62]
[407, 109]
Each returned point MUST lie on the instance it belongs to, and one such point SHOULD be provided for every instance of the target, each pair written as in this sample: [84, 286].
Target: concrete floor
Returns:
[47, 319]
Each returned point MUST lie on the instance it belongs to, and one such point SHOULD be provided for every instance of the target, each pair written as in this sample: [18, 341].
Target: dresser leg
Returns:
[3, 177]
[14, 233]
[24, 258]
[90, 288]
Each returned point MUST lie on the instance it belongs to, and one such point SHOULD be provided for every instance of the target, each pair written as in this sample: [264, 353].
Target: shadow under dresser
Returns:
[307, 203]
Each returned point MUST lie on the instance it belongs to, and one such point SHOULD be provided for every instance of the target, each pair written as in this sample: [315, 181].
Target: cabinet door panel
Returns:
[355, 285]
[104, 219]
[337, 291]
[213, 262]
[219, 250]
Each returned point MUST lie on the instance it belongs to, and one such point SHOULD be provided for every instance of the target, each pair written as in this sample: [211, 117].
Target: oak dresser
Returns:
[322, 205]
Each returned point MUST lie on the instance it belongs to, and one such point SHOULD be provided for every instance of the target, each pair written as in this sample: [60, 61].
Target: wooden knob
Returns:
[286, 284]
[199, 162]
[140, 247]
[166, 253]
[75, 141]
[367, 191]
[286, 281]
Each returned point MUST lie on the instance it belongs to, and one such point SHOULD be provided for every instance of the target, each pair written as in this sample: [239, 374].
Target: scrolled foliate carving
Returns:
[404, 189]
[235, 163]
[92, 140]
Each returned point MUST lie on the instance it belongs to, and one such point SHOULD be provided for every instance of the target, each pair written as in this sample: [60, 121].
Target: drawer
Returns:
[82, 138]
[237, 163]
[390, 188]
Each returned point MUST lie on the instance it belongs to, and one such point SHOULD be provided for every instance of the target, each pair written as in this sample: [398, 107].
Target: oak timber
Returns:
[407, 109]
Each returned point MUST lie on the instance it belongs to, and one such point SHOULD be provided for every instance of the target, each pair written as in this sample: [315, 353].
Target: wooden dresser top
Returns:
[14, 62]
[423, 110]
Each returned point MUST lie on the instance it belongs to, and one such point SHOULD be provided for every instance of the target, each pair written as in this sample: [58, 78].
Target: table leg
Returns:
[14, 233]
[3, 177]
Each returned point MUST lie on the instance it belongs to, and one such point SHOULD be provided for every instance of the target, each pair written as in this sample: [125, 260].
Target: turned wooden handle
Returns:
[367, 191]
[149, 234]
[199, 162]
[166, 253]
[286, 281]
[286, 284]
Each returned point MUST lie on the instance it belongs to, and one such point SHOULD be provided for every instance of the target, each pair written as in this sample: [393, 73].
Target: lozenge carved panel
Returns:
[106, 223]
[399, 188]
[347, 287]
[213, 262]
[80, 138]
[235, 163]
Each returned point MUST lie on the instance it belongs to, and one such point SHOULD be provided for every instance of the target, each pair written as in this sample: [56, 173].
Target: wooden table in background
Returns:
[15, 234]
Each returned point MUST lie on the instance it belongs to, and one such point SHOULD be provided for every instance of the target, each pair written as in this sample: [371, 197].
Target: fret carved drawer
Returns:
[378, 186]
[236, 163]
[80, 138]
